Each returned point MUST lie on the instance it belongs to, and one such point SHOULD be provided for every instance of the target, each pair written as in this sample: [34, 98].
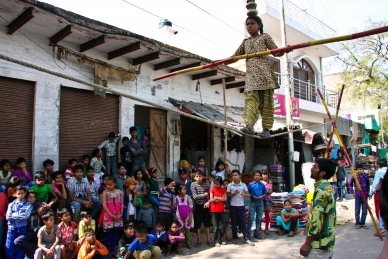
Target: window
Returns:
[304, 81]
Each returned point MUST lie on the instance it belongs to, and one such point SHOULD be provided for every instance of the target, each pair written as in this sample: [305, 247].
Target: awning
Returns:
[215, 113]
[343, 126]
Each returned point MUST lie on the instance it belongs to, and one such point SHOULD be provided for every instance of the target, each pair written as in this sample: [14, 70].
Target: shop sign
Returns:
[280, 106]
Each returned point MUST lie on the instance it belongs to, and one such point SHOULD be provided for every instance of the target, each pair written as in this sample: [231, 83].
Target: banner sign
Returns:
[280, 106]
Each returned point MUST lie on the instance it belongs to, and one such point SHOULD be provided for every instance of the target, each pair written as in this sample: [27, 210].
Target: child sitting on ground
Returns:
[5, 174]
[146, 214]
[161, 234]
[86, 223]
[43, 191]
[14, 182]
[68, 230]
[59, 186]
[49, 237]
[126, 240]
[175, 238]
[288, 219]
[142, 247]
[69, 171]
[92, 248]
[23, 174]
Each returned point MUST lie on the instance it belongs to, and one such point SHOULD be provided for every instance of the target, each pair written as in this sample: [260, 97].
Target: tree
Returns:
[365, 66]
[365, 73]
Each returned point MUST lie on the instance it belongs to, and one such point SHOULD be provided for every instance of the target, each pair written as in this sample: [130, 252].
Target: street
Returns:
[350, 243]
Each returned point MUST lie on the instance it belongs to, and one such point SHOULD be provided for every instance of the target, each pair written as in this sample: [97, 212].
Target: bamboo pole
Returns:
[335, 130]
[278, 50]
[335, 120]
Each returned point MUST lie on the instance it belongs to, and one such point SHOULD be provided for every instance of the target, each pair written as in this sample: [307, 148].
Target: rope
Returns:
[112, 91]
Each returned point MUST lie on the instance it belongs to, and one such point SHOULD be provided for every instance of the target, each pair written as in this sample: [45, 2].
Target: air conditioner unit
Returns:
[177, 127]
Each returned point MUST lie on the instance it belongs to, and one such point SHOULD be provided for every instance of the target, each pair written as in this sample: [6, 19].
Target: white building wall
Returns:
[47, 95]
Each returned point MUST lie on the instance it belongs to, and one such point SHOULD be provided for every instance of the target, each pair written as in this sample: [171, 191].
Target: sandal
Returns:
[382, 231]
[358, 226]
[222, 242]
[217, 244]
[364, 226]
[249, 242]
[198, 244]
[211, 244]
[291, 234]
[280, 232]
[263, 134]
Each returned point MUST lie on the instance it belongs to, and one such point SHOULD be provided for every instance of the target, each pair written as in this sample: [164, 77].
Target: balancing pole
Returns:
[278, 50]
[335, 130]
[335, 120]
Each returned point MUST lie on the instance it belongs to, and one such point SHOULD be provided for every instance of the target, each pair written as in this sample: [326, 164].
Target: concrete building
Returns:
[52, 117]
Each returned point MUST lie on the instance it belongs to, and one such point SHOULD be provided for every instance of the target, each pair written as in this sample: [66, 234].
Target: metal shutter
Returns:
[16, 119]
[85, 120]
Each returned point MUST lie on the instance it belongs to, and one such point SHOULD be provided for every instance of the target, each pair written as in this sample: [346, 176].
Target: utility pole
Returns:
[291, 172]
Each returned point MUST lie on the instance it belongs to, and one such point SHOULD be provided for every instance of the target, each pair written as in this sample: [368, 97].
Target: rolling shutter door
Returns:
[85, 121]
[16, 119]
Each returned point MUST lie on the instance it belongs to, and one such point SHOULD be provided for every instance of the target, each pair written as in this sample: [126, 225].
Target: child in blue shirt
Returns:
[17, 215]
[143, 247]
[161, 234]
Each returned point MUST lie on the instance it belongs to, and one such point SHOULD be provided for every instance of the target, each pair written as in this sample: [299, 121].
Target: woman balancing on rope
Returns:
[260, 79]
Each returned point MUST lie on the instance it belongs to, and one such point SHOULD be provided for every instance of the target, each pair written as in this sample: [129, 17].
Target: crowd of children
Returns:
[85, 213]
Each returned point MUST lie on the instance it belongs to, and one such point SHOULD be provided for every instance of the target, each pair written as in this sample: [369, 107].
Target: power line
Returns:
[330, 16]
[216, 18]
[177, 26]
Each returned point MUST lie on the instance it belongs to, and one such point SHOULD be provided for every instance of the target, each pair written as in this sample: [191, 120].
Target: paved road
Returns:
[351, 243]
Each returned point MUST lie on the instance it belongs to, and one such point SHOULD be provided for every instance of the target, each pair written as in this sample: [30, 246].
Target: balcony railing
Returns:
[301, 16]
[307, 91]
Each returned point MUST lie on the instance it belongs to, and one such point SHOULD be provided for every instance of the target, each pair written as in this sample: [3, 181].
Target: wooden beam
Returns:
[219, 81]
[169, 63]
[20, 21]
[145, 58]
[235, 85]
[196, 64]
[124, 50]
[92, 43]
[61, 35]
[204, 74]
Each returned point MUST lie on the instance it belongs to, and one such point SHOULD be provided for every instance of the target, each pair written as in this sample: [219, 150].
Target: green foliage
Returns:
[365, 66]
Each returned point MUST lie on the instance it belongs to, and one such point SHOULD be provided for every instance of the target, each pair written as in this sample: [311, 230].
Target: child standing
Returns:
[69, 171]
[110, 147]
[5, 174]
[161, 234]
[68, 230]
[217, 208]
[97, 162]
[201, 167]
[130, 200]
[225, 184]
[267, 200]
[183, 180]
[154, 189]
[236, 192]
[125, 154]
[288, 219]
[200, 194]
[165, 202]
[147, 215]
[121, 176]
[112, 214]
[17, 214]
[141, 187]
[219, 171]
[363, 179]
[49, 237]
[257, 192]
[260, 78]
[175, 238]
[23, 174]
[184, 212]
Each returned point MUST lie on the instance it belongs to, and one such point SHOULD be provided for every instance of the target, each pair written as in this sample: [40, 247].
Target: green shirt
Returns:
[154, 187]
[42, 192]
[322, 219]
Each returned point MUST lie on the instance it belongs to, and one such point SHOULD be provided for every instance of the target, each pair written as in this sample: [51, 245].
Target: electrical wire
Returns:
[338, 28]
[178, 26]
[216, 18]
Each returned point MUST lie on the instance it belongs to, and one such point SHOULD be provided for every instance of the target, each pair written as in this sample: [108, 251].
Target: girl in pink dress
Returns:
[175, 238]
[111, 219]
[184, 212]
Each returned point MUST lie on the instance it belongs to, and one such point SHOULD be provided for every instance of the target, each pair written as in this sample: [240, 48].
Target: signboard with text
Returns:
[280, 106]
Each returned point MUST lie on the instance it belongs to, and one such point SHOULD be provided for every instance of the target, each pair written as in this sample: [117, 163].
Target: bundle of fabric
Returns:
[278, 199]
[299, 202]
